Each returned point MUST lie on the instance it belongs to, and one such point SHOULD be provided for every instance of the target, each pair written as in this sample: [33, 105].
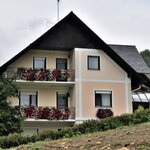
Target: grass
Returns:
[131, 137]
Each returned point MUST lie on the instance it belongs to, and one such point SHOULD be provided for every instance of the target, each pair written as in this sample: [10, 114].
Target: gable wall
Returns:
[27, 59]
[110, 77]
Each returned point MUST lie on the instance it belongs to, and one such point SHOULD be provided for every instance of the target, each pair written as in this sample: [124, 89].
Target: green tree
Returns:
[10, 118]
[146, 56]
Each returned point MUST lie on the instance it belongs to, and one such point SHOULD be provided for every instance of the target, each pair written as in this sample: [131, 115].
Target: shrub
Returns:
[88, 126]
[104, 113]
[10, 119]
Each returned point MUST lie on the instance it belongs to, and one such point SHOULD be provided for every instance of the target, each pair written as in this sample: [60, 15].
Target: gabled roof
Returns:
[71, 33]
[131, 55]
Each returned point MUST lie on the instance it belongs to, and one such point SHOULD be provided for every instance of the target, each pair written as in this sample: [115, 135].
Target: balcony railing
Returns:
[40, 74]
[49, 113]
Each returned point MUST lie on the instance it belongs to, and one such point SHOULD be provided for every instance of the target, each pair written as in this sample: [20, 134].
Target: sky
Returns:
[114, 21]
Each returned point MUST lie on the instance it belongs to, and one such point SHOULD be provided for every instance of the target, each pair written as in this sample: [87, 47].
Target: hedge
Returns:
[88, 126]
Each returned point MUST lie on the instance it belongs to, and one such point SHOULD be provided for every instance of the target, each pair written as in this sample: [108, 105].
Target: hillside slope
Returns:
[132, 137]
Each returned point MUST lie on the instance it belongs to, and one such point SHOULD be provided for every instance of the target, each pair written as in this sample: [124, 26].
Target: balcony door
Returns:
[62, 100]
[61, 65]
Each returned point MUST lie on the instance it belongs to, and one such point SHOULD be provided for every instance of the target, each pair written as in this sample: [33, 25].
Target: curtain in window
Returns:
[39, 62]
[106, 100]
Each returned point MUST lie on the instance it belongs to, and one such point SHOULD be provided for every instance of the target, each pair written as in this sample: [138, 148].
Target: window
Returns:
[93, 63]
[61, 63]
[39, 62]
[103, 99]
[62, 100]
[28, 99]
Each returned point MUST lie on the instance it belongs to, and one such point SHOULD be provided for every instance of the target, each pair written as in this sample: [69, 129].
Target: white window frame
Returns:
[101, 92]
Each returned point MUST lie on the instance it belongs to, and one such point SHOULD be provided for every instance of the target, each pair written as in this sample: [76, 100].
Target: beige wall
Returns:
[110, 77]
[109, 70]
[46, 96]
[88, 97]
[27, 59]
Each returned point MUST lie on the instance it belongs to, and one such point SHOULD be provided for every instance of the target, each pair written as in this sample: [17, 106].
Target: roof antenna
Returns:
[58, 10]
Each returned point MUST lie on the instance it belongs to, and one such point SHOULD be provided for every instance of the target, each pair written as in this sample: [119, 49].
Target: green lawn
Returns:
[132, 137]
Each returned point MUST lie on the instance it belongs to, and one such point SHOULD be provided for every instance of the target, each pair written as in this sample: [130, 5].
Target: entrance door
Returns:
[61, 64]
[62, 100]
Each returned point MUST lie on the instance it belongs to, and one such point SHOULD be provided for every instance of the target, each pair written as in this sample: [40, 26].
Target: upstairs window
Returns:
[93, 62]
[39, 62]
[103, 99]
[28, 99]
[61, 63]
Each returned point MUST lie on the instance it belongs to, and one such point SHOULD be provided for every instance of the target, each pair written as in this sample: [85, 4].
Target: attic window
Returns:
[39, 62]
[93, 63]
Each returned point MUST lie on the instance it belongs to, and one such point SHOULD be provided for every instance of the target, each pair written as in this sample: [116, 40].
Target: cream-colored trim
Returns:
[80, 85]
[126, 93]
[84, 118]
[103, 81]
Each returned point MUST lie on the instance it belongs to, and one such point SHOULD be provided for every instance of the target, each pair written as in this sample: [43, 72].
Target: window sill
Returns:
[102, 107]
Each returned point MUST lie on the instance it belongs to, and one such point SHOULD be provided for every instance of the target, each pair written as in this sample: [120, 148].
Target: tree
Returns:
[10, 118]
[146, 56]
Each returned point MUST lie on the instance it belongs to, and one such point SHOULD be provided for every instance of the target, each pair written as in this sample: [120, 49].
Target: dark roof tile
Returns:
[131, 55]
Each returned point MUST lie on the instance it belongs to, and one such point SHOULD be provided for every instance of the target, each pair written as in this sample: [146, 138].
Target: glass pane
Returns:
[33, 100]
[97, 100]
[28, 99]
[148, 96]
[62, 101]
[61, 63]
[93, 63]
[136, 98]
[39, 63]
[143, 97]
[24, 100]
[106, 100]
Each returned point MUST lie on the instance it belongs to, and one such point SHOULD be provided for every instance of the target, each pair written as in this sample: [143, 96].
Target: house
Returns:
[69, 66]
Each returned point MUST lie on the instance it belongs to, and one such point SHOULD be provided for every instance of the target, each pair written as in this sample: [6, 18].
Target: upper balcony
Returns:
[40, 75]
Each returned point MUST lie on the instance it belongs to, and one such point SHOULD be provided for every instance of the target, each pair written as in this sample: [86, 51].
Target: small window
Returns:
[93, 63]
[103, 99]
[28, 99]
[61, 63]
[39, 62]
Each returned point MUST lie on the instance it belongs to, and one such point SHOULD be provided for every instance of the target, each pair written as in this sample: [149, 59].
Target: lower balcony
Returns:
[46, 113]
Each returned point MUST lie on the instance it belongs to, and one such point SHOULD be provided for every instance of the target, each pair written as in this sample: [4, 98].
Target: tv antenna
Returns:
[58, 10]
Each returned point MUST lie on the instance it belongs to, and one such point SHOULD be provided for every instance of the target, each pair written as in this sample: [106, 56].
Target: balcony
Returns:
[47, 113]
[29, 74]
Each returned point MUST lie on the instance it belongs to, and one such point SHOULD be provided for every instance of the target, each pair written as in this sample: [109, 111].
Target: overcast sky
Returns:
[115, 21]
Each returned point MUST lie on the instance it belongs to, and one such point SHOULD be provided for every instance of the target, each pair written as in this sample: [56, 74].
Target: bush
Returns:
[104, 113]
[88, 126]
[10, 119]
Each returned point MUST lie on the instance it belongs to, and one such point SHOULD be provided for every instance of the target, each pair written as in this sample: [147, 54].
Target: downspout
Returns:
[137, 88]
